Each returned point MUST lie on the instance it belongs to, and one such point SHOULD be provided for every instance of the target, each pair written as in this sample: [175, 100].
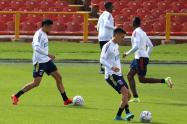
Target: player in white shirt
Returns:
[105, 27]
[141, 47]
[43, 62]
[110, 58]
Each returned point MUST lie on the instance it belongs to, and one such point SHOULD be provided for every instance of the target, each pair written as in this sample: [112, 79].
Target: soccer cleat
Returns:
[15, 100]
[68, 101]
[169, 82]
[119, 118]
[134, 100]
[129, 117]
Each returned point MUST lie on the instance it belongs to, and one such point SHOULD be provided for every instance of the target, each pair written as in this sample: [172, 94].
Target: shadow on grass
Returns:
[69, 107]
[138, 122]
[178, 104]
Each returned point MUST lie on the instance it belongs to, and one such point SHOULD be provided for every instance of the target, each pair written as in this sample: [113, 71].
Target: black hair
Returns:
[136, 21]
[47, 22]
[119, 30]
[108, 5]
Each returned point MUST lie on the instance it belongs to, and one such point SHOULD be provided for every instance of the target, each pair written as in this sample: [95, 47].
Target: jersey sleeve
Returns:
[136, 43]
[104, 55]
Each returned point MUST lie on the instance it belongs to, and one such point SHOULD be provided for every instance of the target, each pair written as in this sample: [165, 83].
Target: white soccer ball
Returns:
[78, 100]
[145, 117]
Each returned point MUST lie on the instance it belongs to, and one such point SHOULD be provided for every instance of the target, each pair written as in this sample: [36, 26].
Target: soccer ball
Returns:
[78, 100]
[145, 117]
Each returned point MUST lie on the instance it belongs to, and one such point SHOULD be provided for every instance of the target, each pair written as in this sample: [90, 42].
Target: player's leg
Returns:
[132, 84]
[132, 72]
[52, 70]
[142, 70]
[38, 72]
[119, 84]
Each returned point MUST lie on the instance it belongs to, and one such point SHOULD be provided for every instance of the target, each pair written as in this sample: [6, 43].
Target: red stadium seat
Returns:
[58, 27]
[119, 19]
[133, 5]
[142, 13]
[184, 27]
[158, 27]
[126, 12]
[74, 27]
[3, 27]
[163, 6]
[77, 18]
[177, 6]
[17, 4]
[148, 5]
[31, 4]
[127, 26]
[27, 27]
[147, 27]
[92, 29]
[11, 26]
[176, 27]
[64, 18]
[157, 12]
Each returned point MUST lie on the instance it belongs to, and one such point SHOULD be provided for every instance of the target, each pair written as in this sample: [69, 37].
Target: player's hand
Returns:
[51, 56]
[115, 69]
[124, 55]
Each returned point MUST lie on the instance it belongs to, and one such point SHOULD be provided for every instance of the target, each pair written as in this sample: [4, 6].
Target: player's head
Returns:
[108, 6]
[119, 35]
[47, 25]
[136, 22]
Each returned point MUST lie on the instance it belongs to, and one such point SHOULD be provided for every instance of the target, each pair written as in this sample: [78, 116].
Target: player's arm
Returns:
[149, 46]
[109, 22]
[135, 46]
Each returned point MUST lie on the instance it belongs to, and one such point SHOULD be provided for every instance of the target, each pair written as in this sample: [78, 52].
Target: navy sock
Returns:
[64, 96]
[120, 111]
[127, 109]
[19, 93]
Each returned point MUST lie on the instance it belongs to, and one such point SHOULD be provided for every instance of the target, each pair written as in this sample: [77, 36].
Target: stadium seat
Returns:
[58, 27]
[3, 27]
[133, 5]
[92, 29]
[126, 12]
[148, 5]
[163, 5]
[141, 13]
[74, 27]
[177, 6]
[77, 18]
[16, 4]
[147, 27]
[127, 26]
[184, 27]
[119, 19]
[64, 18]
[158, 27]
[175, 27]
[157, 12]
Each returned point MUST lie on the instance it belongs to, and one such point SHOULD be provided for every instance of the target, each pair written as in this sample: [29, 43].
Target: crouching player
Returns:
[110, 58]
[43, 63]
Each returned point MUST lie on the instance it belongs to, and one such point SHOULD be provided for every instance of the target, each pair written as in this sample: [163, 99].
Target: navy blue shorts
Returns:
[140, 65]
[117, 82]
[40, 68]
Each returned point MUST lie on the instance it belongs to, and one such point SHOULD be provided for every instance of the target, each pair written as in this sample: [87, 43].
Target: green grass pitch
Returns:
[44, 104]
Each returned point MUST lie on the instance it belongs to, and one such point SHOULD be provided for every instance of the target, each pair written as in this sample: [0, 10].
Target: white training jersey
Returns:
[110, 57]
[105, 26]
[40, 47]
[141, 41]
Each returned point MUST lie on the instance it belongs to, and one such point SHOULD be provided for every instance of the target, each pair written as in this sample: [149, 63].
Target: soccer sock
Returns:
[19, 93]
[120, 111]
[163, 81]
[64, 96]
[135, 96]
[127, 109]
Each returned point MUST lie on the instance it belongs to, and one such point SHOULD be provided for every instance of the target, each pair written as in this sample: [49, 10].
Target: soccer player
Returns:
[43, 62]
[110, 58]
[142, 47]
[105, 27]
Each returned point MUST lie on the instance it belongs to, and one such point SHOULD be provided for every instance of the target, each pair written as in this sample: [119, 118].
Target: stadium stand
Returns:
[152, 13]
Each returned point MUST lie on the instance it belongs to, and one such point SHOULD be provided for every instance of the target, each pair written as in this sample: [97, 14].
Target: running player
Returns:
[105, 27]
[110, 58]
[142, 47]
[43, 62]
